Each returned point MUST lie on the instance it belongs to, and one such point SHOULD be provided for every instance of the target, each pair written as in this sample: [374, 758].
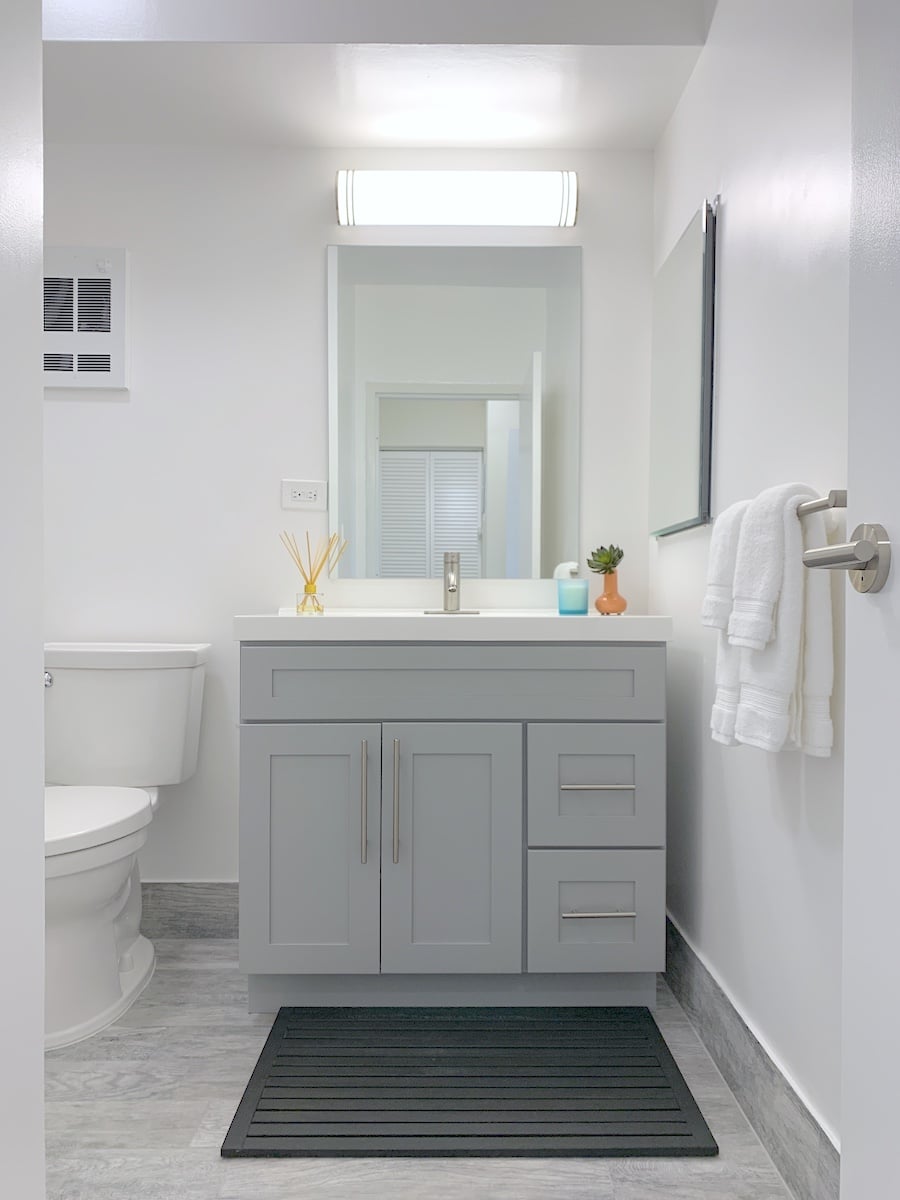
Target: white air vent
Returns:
[85, 301]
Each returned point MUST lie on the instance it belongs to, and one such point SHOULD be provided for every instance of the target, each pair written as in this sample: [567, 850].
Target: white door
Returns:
[530, 455]
[871, 961]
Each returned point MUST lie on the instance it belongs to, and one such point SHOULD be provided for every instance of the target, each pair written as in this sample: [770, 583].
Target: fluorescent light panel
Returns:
[457, 197]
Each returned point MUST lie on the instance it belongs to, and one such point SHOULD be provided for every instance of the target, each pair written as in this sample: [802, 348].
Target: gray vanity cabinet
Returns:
[435, 823]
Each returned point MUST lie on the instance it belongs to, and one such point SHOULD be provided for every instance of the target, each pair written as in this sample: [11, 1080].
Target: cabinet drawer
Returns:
[438, 682]
[596, 785]
[572, 895]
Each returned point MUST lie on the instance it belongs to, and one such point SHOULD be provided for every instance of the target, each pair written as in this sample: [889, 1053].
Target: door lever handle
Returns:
[867, 557]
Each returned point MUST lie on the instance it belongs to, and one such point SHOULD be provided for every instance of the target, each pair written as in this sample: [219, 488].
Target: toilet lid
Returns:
[77, 817]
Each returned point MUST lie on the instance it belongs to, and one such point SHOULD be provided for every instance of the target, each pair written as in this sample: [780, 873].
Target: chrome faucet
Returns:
[451, 582]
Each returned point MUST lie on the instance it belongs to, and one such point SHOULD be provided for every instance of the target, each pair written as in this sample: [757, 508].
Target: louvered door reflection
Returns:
[456, 510]
[429, 502]
[403, 514]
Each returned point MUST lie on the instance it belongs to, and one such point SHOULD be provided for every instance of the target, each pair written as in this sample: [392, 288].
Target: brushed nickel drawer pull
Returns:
[364, 805]
[396, 800]
[597, 787]
[580, 916]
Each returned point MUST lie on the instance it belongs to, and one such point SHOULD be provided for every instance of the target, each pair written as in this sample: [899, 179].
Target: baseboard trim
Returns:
[189, 910]
[799, 1147]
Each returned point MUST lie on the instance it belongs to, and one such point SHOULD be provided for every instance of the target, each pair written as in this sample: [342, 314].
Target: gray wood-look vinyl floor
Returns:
[139, 1111]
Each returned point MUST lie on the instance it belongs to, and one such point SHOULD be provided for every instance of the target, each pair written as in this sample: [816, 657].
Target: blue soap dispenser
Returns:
[571, 592]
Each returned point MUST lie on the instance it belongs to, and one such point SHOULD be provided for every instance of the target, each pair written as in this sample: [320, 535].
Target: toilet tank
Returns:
[122, 713]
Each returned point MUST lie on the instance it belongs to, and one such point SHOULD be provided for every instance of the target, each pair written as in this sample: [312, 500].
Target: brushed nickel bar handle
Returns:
[364, 805]
[396, 800]
[850, 555]
[580, 916]
[836, 498]
[867, 556]
[597, 787]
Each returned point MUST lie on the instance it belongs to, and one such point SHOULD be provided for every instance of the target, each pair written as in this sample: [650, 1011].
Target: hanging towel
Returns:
[723, 546]
[715, 612]
[728, 685]
[759, 566]
[816, 733]
[767, 710]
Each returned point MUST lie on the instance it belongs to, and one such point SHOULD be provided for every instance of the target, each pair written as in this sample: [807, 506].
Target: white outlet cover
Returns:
[309, 494]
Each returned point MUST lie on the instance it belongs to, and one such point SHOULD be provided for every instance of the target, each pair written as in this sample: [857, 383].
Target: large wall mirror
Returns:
[681, 386]
[454, 399]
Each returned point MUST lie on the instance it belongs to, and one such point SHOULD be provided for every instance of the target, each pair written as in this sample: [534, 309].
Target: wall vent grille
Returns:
[59, 362]
[94, 362]
[59, 304]
[85, 316]
[94, 300]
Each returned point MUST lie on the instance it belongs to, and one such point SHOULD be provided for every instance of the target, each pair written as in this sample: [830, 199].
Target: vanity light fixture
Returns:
[457, 197]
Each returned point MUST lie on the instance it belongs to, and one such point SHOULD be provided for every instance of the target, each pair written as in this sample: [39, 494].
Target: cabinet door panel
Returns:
[308, 901]
[453, 899]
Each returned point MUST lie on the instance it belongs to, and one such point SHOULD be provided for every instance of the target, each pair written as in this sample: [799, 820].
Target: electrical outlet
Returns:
[304, 493]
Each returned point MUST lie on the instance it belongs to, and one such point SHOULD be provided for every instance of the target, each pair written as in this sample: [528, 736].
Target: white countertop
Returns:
[413, 625]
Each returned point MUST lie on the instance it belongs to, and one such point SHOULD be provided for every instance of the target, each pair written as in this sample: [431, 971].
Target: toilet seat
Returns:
[81, 817]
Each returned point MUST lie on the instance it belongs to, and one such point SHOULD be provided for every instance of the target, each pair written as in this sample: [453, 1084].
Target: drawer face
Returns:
[573, 896]
[435, 682]
[596, 785]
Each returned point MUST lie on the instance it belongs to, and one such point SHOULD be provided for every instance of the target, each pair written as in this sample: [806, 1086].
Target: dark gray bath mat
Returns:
[440, 1082]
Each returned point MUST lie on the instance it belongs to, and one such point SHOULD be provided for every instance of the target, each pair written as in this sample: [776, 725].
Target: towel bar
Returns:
[836, 498]
[867, 557]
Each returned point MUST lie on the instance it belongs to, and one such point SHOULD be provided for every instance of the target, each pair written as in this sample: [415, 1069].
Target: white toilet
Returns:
[122, 720]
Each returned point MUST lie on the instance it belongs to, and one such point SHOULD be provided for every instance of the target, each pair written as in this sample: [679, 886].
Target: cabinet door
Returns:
[451, 820]
[309, 848]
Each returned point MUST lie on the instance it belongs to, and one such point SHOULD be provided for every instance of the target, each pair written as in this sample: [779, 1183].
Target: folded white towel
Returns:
[767, 708]
[716, 608]
[759, 566]
[816, 733]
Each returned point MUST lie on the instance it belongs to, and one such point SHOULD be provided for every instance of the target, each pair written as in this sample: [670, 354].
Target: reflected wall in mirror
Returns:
[681, 389]
[454, 397]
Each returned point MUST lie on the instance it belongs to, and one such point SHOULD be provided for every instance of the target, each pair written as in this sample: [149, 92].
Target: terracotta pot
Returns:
[610, 603]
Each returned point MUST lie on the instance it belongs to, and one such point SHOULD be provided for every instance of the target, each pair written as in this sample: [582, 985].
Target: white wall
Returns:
[163, 505]
[755, 840]
[413, 423]
[447, 334]
[21, 698]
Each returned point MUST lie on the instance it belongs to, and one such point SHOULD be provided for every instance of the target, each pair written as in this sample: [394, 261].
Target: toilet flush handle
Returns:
[48, 679]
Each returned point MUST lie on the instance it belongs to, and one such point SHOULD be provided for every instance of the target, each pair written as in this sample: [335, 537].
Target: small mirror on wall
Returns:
[681, 387]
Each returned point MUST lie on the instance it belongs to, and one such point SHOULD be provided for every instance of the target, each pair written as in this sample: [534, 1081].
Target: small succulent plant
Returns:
[605, 560]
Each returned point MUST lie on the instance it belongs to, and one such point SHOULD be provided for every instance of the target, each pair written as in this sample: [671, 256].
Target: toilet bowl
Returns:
[96, 961]
[122, 720]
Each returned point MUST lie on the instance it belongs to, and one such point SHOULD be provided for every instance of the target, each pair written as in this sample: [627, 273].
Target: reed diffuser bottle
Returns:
[311, 602]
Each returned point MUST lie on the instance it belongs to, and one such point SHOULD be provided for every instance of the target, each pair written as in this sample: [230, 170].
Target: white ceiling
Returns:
[363, 95]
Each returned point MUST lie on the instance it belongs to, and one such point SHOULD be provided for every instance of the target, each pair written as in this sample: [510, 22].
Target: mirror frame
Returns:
[710, 211]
